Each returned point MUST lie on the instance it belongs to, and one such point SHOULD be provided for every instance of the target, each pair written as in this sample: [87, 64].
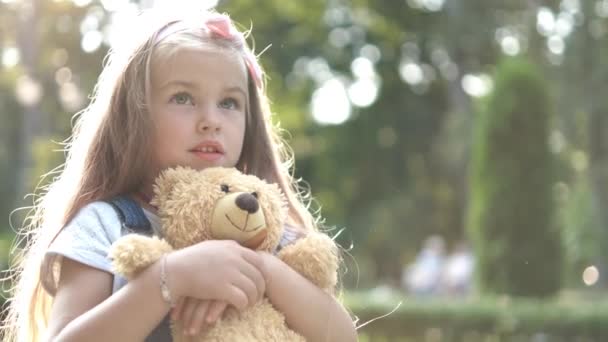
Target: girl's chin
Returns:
[201, 164]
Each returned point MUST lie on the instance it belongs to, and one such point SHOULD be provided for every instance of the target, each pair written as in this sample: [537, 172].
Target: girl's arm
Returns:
[308, 310]
[83, 309]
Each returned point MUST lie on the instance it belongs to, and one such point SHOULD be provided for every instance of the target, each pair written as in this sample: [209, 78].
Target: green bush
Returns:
[488, 319]
[511, 214]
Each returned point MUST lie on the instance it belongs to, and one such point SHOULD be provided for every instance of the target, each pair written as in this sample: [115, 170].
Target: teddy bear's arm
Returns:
[315, 256]
[133, 253]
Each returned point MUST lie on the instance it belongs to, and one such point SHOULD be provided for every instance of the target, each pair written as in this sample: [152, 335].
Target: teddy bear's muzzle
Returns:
[237, 216]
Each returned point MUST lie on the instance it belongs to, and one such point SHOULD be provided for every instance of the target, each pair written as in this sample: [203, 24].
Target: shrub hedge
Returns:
[488, 319]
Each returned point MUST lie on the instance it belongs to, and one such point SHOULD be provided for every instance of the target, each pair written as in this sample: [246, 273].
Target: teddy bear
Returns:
[224, 203]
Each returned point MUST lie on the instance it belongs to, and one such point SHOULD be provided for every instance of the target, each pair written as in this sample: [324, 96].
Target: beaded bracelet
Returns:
[164, 285]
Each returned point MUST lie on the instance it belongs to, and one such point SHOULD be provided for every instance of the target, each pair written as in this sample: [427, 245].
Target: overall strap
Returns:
[132, 217]
[131, 214]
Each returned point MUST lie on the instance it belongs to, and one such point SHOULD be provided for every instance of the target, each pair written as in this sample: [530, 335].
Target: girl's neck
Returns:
[144, 197]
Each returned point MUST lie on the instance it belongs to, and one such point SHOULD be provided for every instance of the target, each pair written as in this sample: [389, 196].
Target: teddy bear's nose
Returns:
[247, 202]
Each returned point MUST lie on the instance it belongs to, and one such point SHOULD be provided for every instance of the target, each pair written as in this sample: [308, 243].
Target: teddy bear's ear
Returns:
[168, 180]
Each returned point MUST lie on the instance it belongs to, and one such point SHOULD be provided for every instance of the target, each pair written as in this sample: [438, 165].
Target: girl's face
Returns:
[198, 106]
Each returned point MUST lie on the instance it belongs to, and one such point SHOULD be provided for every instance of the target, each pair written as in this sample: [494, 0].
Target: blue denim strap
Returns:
[131, 214]
[133, 218]
[290, 235]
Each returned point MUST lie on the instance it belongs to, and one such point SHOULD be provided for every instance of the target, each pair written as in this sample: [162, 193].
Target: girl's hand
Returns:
[268, 264]
[219, 270]
[197, 314]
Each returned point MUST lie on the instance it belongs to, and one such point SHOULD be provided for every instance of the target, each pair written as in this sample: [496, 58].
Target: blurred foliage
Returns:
[581, 235]
[395, 170]
[8, 142]
[512, 207]
[490, 319]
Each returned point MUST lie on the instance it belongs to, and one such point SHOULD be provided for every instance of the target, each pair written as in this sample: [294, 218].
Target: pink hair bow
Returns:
[222, 26]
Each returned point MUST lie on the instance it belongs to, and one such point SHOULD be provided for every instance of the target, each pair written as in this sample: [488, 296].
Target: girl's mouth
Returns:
[208, 155]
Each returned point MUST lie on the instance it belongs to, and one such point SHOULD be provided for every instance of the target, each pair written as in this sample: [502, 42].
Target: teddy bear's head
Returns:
[219, 203]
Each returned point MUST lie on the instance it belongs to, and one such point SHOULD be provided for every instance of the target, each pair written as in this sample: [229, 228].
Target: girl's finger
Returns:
[252, 257]
[256, 276]
[216, 309]
[197, 321]
[177, 310]
[235, 296]
[246, 285]
[254, 269]
[190, 306]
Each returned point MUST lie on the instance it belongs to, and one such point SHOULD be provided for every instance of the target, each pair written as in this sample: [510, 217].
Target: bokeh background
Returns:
[457, 149]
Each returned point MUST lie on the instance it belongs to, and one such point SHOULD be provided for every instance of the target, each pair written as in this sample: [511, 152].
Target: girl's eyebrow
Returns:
[193, 85]
[185, 84]
[237, 89]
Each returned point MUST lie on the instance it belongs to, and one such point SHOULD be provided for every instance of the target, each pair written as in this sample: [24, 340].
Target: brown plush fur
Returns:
[186, 201]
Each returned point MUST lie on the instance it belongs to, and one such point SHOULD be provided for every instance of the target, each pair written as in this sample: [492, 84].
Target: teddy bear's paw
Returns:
[316, 257]
[258, 323]
[133, 253]
[268, 324]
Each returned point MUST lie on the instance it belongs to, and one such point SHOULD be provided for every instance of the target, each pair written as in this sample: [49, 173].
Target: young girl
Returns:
[183, 90]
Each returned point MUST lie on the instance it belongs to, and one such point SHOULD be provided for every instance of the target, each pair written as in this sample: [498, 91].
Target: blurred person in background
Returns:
[422, 278]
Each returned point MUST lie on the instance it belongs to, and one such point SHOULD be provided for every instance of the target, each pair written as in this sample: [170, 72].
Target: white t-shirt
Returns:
[87, 239]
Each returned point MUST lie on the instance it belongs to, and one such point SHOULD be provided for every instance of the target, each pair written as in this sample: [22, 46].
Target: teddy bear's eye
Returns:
[225, 188]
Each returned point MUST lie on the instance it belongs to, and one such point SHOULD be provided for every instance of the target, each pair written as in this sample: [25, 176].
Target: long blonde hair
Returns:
[105, 158]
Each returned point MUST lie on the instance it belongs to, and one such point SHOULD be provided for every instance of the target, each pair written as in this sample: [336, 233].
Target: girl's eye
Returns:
[182, 99]
[229, 103]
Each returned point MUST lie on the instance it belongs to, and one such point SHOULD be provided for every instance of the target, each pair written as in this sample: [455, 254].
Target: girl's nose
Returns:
[209, 120]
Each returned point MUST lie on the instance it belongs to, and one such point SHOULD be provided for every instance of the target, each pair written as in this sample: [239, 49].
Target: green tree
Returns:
[396, 167]
[511, 218]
